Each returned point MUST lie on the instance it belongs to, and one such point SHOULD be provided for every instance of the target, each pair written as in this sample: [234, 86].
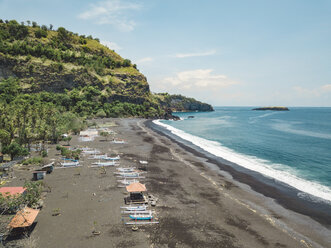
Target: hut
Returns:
[38, 175]
[12, 191]
[136, 191]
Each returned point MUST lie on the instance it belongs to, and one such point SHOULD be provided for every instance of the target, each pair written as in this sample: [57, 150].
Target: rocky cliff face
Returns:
[179, 103]
[60, 61]
[36, 77]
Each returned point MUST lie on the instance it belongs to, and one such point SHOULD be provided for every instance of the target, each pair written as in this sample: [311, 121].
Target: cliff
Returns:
[179, 103]
[70, 65]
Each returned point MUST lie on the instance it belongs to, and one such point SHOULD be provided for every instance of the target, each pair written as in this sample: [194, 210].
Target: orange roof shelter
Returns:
[10, 191]
[136, 187]
[24, 218]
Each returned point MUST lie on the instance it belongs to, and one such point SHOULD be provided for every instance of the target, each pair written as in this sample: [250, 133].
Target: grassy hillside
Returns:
[78, 74]
[74, 71]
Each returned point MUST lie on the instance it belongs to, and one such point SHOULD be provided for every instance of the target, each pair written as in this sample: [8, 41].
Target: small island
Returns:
[273, 108]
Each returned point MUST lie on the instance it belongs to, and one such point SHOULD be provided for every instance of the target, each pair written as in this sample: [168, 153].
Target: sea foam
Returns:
[255, 164]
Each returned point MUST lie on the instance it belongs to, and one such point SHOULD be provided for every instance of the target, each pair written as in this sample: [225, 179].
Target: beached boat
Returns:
[141, 216]
[128, 181]
[112, 158]
[131, 176]
[135, 211]
[135, 208]
[69, 159]
[128, 169]
[118, 141]
[70, 164]
[101, 156]
[91, 152]
[110, 163]
[128, 174]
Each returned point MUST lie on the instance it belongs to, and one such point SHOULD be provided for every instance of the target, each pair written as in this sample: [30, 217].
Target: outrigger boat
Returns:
[112, 158]
[70, 164]
[134, 211]
[128, 181]
[141, 216]
[127, 169]
[91, 152]
[101, 156]
[97, 164]
[135, 208]
[128, 174]
[118, 141]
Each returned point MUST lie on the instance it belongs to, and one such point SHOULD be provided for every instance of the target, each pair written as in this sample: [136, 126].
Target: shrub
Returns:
[31, 196]
[44, 153]
[34, 161]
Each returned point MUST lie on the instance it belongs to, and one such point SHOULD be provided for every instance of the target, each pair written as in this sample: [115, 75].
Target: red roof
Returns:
[6, 191]
[136, 187]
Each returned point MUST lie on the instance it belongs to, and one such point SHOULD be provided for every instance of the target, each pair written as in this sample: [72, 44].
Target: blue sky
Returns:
[227, 53]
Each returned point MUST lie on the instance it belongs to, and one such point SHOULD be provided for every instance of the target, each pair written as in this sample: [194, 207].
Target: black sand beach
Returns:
[198, 206]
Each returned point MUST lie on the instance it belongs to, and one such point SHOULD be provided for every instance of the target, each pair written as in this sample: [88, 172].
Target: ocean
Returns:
[293, 148]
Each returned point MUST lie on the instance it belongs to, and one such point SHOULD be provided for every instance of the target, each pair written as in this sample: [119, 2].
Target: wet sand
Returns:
[199, 205]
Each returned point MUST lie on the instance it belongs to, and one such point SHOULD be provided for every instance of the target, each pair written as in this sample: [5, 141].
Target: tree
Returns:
[14, 150]
[101, 113]
[126, 63]
[68, 138]
[9, 88]
[50, 26]
[4, 137]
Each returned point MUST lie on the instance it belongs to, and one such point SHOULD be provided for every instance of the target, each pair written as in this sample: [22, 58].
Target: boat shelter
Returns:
[38, 175]
[136, 191]
[24, 218]
[12, 191]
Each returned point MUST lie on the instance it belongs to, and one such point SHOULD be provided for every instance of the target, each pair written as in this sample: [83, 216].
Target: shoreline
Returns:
[284, 195]
[196, 207]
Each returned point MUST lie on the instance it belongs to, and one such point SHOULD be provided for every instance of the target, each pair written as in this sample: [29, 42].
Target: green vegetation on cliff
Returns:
[51, 81]
[181, 103]
[74, 72]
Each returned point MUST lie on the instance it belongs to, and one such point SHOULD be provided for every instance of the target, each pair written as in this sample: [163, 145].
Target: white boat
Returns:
[111, 163]
[118, 141]
[141, 216]
[128, 173]
[128, 181]
[132, 176]
[101, 156]
[91, 152]
[70, 164]
[135, 208]
[127, 169]
[135, 211]
[143, 162]
[112, 158]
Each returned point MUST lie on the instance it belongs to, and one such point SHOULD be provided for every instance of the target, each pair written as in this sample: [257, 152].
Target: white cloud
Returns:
[144, 60]
[313, 92]
[113, 12]
[199, 79]
[198, 54]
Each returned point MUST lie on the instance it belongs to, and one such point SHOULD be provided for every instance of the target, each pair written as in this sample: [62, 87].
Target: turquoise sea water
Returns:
[292, 147]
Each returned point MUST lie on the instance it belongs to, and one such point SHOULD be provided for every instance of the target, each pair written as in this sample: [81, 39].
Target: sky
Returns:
[226, 53]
